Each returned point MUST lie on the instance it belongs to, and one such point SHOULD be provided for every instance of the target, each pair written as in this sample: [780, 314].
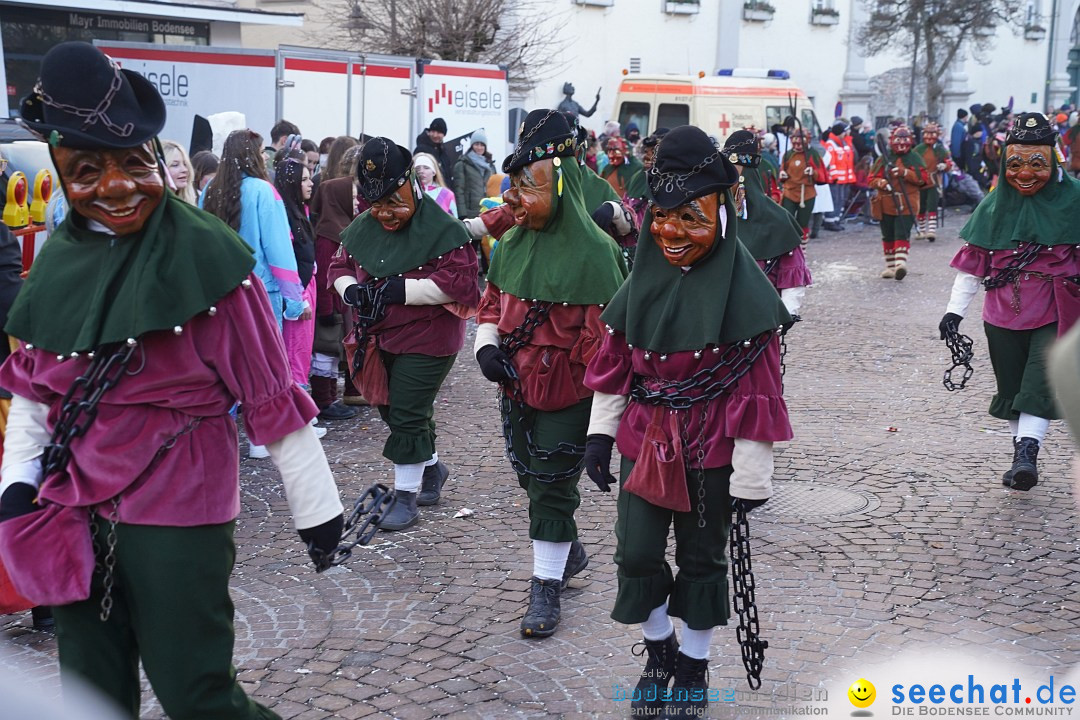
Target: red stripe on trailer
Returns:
[381, 71]
[464, 72]
[206, 58]
[314, 65]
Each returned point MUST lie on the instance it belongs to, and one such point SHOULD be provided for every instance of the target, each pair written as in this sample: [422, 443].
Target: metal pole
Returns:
[1050, 53]
[914, 63]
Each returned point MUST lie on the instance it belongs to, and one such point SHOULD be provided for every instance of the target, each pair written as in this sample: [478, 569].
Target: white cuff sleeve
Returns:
[476, 227]
[607, 411]
[309, 484]
[621, 219]
[792, 299]
[486, 334]
[964, 289]
[25, 439]
[424, 291]
[752, 470]
[343, 283]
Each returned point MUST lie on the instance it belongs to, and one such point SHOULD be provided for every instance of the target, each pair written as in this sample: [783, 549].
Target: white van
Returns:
[718, 104]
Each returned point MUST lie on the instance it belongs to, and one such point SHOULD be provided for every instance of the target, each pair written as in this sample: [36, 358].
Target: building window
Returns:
[681, 7]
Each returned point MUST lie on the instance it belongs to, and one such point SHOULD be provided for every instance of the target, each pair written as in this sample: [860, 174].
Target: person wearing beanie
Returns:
[471, 173]
[1020, 246]
[860, 139]
[409, 273]
[537, 328]
[801, 170]
[938, 161]
[121, 517]
[768, 231]
[959, 134]
[431, 142]
[898, 176]
[839, 158]
[695, 307]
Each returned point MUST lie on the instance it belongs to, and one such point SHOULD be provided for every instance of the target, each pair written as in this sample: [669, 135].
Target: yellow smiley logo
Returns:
[862, 693]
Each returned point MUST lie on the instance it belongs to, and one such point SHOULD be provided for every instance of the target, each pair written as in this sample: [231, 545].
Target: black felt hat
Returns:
[383, 168]
[1031, 129]
[654, 139]
[688, 165]
[544, 134]
[741, 148]
[82, 99]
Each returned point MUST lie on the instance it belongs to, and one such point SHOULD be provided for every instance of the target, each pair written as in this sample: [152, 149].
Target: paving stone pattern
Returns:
[424, 623]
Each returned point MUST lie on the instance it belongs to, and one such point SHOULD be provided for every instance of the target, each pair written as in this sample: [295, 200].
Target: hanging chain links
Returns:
[1011, 272]
[962, 349]
[368, 511]
[512, 405]
[369, 309]
[742, 575]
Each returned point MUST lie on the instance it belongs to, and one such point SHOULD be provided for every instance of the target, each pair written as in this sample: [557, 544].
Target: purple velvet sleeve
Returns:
[973, 260]
[791, 270]
[456, 273]
[611, 369]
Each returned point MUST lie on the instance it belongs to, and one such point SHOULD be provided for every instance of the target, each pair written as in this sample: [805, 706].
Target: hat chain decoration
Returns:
[1028, 129]
[93, 115]
[673, 180]
[524, 139]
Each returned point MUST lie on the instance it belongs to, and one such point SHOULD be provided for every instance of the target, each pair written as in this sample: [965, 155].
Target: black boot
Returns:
[544, 611]
[431, 488]
[649, 699]
[576, 561]
[1025, 474]
[337, 411]
[43, 618]
[404, 513]
[690, 692]
[1006, 477]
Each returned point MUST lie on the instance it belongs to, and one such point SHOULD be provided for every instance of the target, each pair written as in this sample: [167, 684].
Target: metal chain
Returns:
[511, 400]
[742, 575]
[783, 348]
[962, 349]
[1011, 272]
[672, 180]
[368, 511]
[369, 310]
[737, 360]
[79, 405]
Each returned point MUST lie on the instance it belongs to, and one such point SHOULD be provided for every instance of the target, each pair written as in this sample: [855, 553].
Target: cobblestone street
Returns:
[890, 532]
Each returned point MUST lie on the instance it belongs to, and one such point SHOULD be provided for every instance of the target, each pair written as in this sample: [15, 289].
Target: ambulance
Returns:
[718, 104]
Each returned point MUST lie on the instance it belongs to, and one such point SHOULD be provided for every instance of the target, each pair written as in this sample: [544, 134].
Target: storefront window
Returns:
[28, 33]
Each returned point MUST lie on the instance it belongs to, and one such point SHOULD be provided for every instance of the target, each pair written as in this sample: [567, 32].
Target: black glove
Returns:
[747, 505]
[604, 217]
[352, 295]
[322, 541]
[951, 321]
[598, 461]
[495, 364]
[327, 320]
[394, 291]
[18, 500]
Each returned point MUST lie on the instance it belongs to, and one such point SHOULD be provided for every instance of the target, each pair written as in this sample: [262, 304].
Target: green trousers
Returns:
[1019, 360]
[171, 609]
[896, 227]
[928, 199]
[699, 593]
[414, 381]
[801, 214]
[552, 504]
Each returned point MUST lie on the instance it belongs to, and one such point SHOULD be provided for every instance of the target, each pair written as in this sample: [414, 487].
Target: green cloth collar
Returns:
[1005, 218]
[571, 260]
[723, 299]
[88, 289]
[768, 230]
[596, 190]
[430, 233]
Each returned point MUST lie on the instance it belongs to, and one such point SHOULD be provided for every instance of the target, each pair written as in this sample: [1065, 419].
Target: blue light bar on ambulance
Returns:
[754, 73]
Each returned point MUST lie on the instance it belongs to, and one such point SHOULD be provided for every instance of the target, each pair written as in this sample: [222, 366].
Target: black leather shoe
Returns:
[431, 488]
[1025, 473]
[403, 514]
[690, 691]
[576, 561]
[544, 610]
[1006, 477]
[43, 619]
[337, 411]
[649, 695]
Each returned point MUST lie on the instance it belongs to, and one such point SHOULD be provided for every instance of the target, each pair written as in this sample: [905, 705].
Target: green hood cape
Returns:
[431, 232]
[769, 230]
[596, 190]
[939, 151]
[724, 298]
[87, 288]
[632, 174]
[1005, 218]
[571, 260]
[910, 158]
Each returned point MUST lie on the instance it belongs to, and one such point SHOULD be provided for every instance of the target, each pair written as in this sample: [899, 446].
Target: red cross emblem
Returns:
[723, 124]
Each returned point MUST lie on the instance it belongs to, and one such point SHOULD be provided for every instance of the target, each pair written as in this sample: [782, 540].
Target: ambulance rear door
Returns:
[652, 102]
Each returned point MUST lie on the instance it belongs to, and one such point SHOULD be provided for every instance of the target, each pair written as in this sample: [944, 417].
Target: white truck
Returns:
[324, 92]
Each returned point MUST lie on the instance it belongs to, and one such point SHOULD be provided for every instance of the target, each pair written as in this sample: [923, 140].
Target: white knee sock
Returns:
[1031, 426]
[435, 458]
[549, 559]
[658, 626]
[1014, 427]
[695, 643]
[407, 478]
